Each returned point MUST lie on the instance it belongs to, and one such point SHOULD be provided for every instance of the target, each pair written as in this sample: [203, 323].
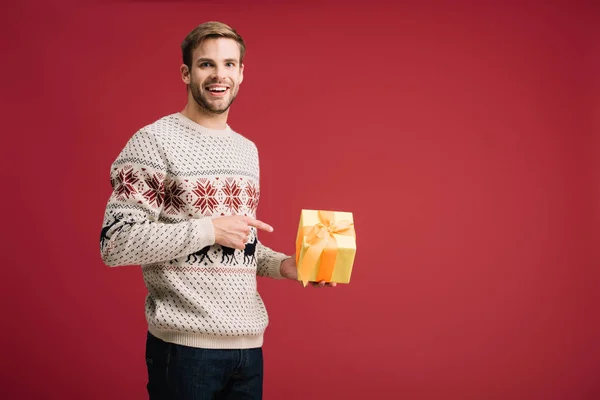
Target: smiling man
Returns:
[213, 71]
[183, 206]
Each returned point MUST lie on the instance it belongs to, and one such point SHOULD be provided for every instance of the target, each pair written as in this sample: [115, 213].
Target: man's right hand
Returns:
[234, 230]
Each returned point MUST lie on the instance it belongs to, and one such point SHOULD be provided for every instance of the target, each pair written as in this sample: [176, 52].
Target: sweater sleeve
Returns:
[269, 261]
[131, 232]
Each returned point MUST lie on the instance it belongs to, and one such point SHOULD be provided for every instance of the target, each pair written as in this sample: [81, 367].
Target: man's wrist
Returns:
[287, 267]
[282, 263]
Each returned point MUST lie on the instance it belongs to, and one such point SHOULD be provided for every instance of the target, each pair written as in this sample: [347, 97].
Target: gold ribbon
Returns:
[322, 243]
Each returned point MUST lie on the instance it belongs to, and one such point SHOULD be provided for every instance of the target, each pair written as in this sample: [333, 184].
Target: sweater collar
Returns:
[202, 129]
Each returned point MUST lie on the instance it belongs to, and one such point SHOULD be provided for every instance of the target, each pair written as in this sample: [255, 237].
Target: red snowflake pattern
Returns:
[206, 197]
[253, 195]
[173, 202]
[124, 183]
[232, 192]
[155, 193]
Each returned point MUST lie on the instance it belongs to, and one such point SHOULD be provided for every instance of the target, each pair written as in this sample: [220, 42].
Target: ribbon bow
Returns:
[322, 241]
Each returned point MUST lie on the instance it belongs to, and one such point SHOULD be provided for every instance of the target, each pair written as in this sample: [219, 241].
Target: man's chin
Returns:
[213, 110]
[218, 112]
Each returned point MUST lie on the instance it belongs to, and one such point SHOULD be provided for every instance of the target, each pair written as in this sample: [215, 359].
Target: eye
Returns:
[230, 64]
[205, 64]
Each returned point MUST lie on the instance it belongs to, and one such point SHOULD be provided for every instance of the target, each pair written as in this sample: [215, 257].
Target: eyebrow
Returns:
[201, 60]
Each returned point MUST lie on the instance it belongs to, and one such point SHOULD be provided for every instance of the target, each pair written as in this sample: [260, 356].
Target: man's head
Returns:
[212, 65]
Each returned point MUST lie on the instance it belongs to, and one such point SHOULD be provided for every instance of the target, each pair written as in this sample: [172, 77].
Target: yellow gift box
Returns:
[325, 246]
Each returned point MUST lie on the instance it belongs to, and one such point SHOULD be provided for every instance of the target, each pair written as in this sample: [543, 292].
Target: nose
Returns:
[218, 73]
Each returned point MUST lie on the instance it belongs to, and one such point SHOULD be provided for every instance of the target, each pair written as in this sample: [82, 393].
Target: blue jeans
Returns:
[178, 372]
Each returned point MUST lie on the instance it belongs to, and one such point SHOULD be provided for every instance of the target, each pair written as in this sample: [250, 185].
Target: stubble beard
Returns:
[205, 103]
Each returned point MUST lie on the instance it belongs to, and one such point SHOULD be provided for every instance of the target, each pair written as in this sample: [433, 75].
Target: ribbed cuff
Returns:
[203, 231]
[274, 266]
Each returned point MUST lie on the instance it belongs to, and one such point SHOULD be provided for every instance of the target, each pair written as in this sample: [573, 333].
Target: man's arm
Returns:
[269, 261]
[131, 233]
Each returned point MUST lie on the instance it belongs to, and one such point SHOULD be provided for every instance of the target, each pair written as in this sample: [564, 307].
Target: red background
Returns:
[463, 138]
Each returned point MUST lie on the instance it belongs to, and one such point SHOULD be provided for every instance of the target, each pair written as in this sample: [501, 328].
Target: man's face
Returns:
[215, 75]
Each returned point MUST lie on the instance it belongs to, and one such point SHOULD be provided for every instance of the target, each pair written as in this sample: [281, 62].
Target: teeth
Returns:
[217, 89]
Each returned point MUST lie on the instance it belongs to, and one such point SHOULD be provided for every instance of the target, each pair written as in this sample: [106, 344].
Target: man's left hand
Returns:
[289, 270]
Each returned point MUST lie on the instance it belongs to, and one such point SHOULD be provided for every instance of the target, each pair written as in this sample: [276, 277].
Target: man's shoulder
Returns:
[161, 125]
[155, 132]
[151, 135]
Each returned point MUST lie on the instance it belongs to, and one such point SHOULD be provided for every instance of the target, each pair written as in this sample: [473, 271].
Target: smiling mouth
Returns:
[217, 91]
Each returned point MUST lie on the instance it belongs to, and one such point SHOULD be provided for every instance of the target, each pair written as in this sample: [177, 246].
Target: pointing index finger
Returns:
[260, 225]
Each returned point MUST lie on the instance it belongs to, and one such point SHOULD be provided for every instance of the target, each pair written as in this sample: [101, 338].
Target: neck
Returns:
[202, 117]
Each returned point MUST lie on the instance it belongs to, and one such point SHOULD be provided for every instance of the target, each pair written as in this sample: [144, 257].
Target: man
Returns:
[183, 206]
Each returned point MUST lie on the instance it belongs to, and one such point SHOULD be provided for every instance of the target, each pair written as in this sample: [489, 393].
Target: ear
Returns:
[241, 73]
[185, 74]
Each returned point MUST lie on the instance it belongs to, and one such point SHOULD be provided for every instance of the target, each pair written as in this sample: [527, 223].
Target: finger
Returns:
[260, 225]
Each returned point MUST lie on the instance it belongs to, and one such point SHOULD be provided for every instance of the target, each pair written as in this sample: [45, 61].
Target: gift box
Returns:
[325, 246]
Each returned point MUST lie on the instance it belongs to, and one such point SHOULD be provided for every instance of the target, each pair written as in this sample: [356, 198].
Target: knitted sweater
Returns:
[170, 180]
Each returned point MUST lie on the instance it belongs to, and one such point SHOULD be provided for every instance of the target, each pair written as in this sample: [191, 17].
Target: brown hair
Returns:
[211, 29]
